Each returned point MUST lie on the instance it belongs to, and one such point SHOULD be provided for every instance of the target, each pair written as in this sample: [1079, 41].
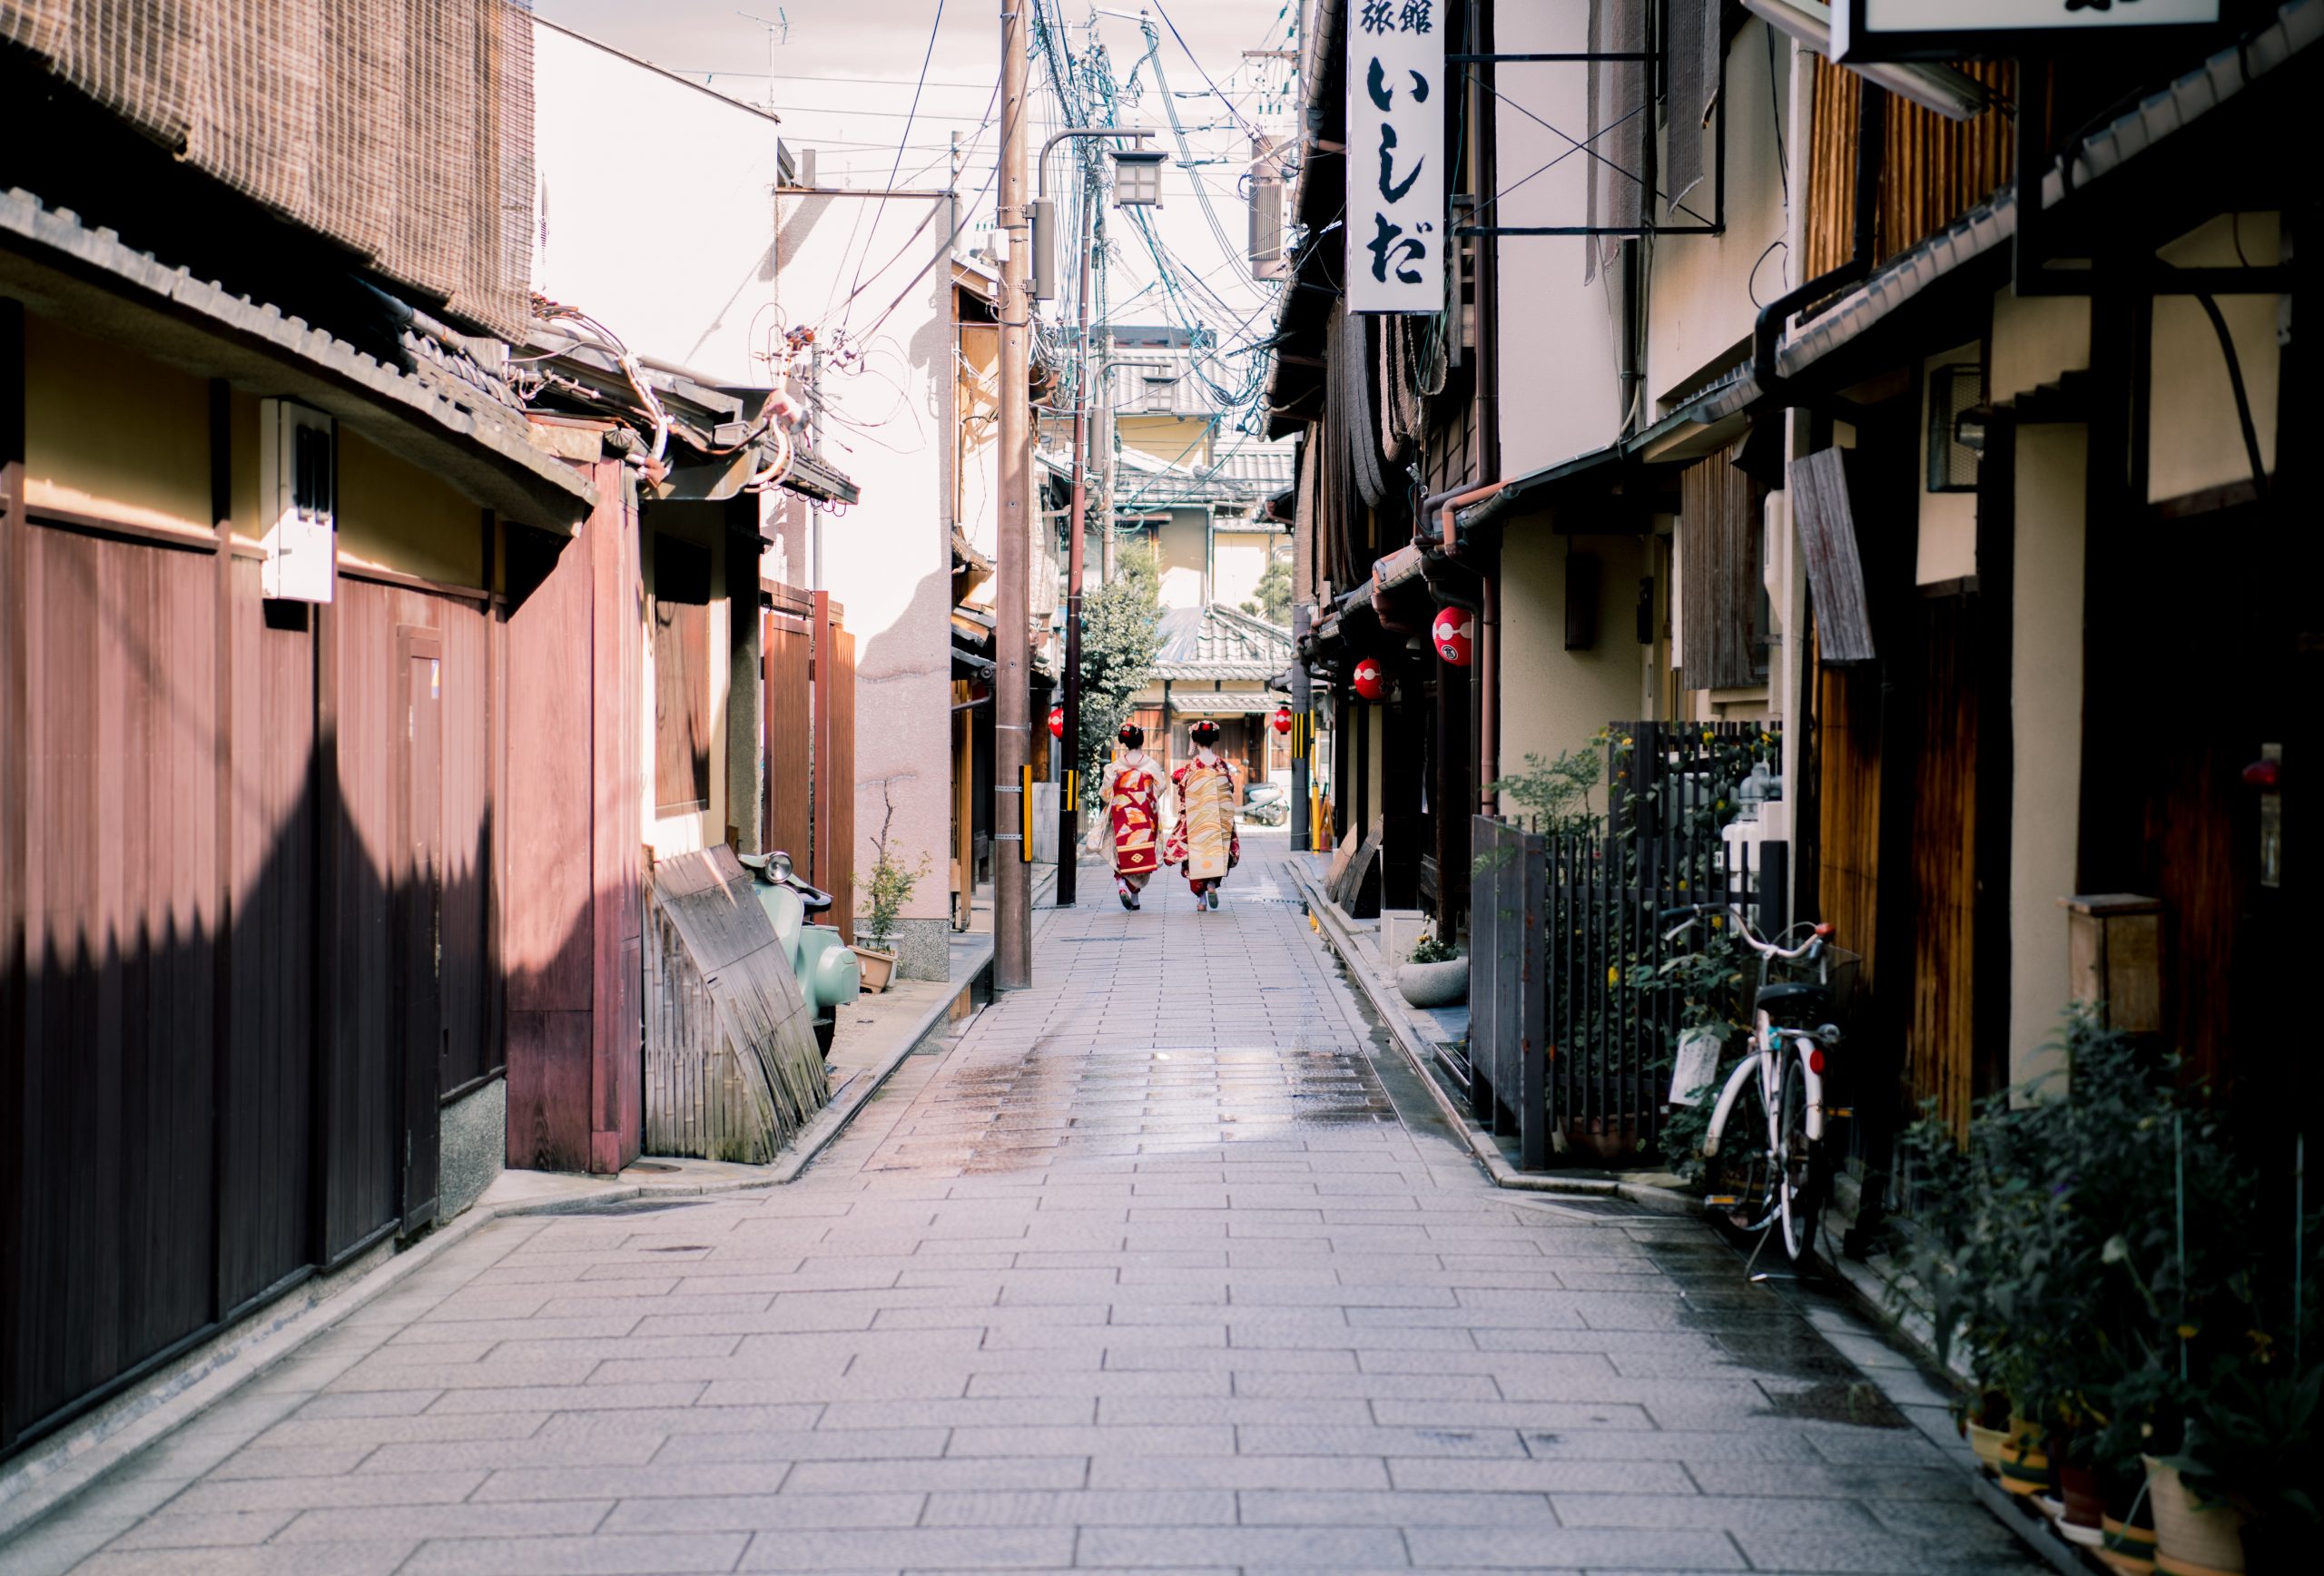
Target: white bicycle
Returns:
[1777, 1090]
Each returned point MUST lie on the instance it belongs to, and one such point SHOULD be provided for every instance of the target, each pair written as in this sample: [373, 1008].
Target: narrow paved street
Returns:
[1164, 1263]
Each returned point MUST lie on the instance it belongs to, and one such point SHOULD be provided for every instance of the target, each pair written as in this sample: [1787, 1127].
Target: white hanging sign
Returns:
[1877, 30]
[1395, 156]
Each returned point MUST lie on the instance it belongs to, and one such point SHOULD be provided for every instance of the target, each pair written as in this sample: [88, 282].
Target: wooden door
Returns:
[834, 727]
[417, 934]
[787, 643]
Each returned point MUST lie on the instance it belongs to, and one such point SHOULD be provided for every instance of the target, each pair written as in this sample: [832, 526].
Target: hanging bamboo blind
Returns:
[1932, 170]
[402, 129]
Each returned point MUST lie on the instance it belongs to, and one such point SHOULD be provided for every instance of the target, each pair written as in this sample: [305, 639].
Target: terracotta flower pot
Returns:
[2191, 1540]
[2085, 1502]
[879, 967]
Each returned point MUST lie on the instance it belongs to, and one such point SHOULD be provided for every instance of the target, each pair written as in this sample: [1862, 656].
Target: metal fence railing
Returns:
[1570, 1053]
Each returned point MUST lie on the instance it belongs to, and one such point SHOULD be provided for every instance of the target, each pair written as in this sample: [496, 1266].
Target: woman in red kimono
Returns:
[1203, 843]
[1129, 816]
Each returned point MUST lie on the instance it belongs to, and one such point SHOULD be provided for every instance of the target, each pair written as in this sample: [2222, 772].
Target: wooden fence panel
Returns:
[115, 1033]
[1940, 1059]
[835, 785]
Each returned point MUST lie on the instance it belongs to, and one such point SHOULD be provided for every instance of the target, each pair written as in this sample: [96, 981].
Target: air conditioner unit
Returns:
[298, 478]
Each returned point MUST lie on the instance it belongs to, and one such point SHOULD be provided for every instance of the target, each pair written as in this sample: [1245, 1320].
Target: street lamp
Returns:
[1137, 184]
[1138, 177]
[1140, 182]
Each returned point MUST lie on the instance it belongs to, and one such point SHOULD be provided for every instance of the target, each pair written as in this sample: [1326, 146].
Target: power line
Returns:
[881, 207]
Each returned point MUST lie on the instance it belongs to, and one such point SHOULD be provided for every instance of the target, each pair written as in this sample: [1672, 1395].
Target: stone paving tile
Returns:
[1162, 1265]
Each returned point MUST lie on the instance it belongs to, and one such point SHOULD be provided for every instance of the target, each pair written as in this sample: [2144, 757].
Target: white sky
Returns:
[841, 76]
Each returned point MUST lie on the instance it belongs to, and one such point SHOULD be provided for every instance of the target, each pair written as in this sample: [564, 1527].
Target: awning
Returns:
[1230, 703]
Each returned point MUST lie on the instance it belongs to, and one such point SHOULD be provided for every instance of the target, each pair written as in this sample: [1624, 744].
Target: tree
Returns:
[1121, 630]
[1271, 598]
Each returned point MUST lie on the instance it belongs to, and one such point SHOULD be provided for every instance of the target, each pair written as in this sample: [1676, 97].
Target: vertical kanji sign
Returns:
[1395, 157]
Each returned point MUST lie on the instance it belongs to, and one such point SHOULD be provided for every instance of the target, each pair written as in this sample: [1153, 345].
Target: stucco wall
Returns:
[1238, 561]
[888, 560]
[1183, 550]
[1948, 538]
[1548, 317]
[2045, 731]
[617, 143]
[1700, 297]
[1553, 699]
[111, 433]
[2194, 438]
[404, 519]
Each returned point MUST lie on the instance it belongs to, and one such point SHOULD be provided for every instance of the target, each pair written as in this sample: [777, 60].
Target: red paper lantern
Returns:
[1369, 683]
[1454, 632]
[1056, 722]
[1281, 719]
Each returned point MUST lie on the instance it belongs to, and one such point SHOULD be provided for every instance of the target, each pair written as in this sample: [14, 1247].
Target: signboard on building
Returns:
[1396, 228]
[1876, 30]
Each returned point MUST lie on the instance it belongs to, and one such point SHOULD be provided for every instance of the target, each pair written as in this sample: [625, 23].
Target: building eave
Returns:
[92, 280]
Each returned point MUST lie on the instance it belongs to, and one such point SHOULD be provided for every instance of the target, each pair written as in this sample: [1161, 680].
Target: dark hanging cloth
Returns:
[1695, 46]
[1620, 126]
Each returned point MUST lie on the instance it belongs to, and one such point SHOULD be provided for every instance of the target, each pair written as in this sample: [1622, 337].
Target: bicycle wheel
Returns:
[1740, 1181]
[1795, 1163]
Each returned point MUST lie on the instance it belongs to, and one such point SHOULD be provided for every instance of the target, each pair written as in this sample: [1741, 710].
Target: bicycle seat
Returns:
[1798, 996]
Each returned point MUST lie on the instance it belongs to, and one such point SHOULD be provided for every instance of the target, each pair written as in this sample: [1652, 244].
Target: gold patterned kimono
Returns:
[1203, 843]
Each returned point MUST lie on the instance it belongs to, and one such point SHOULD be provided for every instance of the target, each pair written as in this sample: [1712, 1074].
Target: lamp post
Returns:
[1141, 185]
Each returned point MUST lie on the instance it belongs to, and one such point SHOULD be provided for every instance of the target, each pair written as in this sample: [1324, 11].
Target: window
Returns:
[681, 677]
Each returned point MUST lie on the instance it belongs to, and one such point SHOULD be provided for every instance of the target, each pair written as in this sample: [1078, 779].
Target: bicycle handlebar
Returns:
[1751, 939]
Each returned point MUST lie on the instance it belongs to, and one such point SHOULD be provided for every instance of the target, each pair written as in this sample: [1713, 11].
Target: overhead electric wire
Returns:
[927, 55]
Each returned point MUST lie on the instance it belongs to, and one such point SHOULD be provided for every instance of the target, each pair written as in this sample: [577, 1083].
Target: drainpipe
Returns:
[1872, 118]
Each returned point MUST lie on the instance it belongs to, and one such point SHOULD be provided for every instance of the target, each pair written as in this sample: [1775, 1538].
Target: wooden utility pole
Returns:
[1012, 871]
[1069, 821]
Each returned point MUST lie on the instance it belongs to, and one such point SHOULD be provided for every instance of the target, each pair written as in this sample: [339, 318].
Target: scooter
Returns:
[1266, 804]
[826, 969]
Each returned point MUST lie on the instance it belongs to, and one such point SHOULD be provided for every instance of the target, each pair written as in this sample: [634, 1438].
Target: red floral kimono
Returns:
[1131, 797]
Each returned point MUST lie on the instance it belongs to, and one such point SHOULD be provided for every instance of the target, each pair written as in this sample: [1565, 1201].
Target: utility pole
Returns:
[1012, 873]
[1069, 820]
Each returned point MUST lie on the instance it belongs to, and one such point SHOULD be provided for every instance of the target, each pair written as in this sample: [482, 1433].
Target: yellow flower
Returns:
[1706, 736]
[1719, 804]
[1626, 741]
[1613, 975]
[2186, 1332]
[1716, 920]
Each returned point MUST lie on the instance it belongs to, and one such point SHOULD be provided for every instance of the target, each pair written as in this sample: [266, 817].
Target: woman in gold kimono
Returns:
[1127, 826]
[1203, 843]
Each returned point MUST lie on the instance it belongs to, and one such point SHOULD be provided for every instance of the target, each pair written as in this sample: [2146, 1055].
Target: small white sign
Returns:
[298, 460]
[1395, 156]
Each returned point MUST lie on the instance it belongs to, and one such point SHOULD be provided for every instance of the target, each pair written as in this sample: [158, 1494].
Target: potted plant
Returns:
[1434, 974]
[886, 890]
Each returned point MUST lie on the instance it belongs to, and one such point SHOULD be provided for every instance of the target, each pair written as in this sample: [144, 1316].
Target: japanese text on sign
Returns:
[1395, 158]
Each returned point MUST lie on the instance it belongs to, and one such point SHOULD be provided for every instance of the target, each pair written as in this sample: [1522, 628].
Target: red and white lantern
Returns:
[1281, 719]
[1454, 632]
[1368, 681]
[1056, 722]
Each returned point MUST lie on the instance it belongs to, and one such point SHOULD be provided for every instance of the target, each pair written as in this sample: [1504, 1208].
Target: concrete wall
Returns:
[2195, 441]
[1553, 699]
[1549, 317]
[2045, 731]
